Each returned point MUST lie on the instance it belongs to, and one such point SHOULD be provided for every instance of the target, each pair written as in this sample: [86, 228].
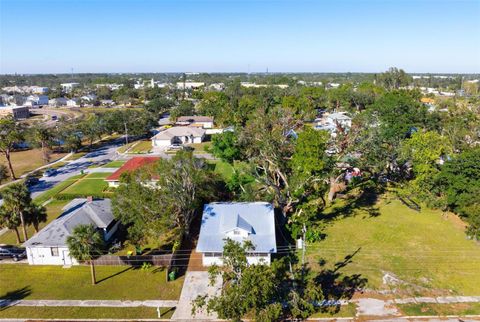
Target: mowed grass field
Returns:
[74, 283]
[56, 312]
[28, 160]
[54, 209]
[93, 183]
[425, 252]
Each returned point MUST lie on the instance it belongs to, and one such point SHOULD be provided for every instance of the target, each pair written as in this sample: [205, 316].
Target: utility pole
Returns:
[304, 230]
[126, 133]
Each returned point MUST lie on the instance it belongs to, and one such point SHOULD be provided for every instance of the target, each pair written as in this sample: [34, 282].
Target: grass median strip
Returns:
[436, 309]
[84, 312]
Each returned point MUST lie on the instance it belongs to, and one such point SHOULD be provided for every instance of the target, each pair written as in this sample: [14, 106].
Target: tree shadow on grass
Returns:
[12, 296]
[365, 201]
[113, 275]
[337, 286]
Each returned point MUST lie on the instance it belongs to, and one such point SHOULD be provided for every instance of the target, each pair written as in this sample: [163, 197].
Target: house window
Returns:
[236, 232]
[54, 251]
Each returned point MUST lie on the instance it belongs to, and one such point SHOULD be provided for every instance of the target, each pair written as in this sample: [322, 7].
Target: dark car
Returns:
[49, 172]
[9, 252]
[30, 181]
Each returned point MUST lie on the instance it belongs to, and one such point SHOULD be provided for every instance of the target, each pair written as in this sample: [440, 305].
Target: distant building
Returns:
[18, 112]
[238, 221]
[254, 85]
[57, 102]
[39, 90]
[49, 245]
[73, 102]
[90, 98]
[107, 102]
[178, 135]
[216, 86]
[68, 87]
[331, 122]
[112, 87]
[189, 85]
[36, 100]
[205, 122]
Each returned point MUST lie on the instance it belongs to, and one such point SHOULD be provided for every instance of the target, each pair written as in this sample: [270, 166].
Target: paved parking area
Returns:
[196, 283]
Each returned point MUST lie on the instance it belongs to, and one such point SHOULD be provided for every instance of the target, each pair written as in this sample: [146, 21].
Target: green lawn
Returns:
[114, 164]
[200, 147]
[92, 184]
[84, 312]
[56, 190]
[143, 146]
[224, 169]
[417, 309]
[426, 251]
[54, 209]
[114, 283]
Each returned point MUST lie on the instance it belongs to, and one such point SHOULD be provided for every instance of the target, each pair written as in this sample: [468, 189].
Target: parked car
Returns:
[10, 252]
[31, 180]
[174, 147]
[49, 172]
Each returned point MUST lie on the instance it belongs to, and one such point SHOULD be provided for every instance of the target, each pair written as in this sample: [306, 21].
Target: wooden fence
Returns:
[155, 260]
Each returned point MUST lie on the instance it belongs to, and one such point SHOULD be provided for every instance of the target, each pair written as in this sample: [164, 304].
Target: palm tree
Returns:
[10, 221]
[11, 133]
[17, 202]
[37, 214]
[84, 245]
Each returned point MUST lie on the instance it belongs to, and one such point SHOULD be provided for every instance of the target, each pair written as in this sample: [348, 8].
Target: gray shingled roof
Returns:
[77, 212]
[179, 131]
[219, 218]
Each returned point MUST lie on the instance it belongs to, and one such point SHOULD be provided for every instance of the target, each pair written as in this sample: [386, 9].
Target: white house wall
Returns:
[43, 256]
[251, 260]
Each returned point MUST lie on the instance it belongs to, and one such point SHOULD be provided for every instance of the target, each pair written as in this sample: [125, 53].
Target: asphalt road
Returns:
[99, 156]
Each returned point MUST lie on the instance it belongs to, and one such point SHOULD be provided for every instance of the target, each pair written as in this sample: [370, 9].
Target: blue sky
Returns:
[43, 36]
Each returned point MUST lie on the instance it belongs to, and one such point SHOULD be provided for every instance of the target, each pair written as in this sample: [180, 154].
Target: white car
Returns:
[174, 147]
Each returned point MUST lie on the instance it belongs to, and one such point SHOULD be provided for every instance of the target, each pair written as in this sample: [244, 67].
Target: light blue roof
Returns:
[255, 218]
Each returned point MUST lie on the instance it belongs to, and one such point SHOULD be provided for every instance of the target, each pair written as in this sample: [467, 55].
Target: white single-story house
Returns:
[239, 221]
[205, 122]
[178, 135]
[49, 245]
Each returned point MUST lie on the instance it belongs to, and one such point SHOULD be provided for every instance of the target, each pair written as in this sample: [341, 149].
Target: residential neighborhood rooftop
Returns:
[79, 211]
[179, 131]
[131, 165]
[257, 219]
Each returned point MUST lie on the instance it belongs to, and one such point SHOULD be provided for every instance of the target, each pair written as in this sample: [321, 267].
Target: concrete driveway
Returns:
[196, 283]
